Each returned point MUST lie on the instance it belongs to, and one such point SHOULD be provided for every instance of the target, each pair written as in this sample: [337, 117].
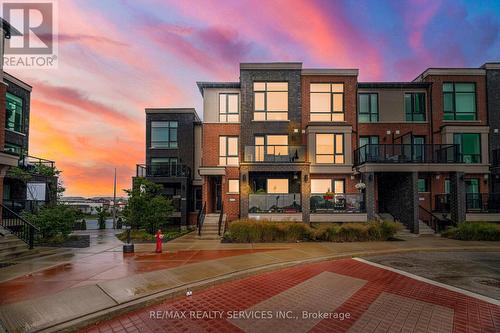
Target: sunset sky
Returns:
[118, 57]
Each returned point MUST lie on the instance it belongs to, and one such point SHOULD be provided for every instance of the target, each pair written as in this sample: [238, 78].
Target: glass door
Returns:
[473, 197]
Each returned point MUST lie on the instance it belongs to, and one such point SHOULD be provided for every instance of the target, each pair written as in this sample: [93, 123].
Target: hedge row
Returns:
[252, 231]
[478, 231]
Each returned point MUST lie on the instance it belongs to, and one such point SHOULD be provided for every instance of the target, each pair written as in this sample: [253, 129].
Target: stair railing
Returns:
[18, 226]
[433, 221]
[201, 218]
[221, 217]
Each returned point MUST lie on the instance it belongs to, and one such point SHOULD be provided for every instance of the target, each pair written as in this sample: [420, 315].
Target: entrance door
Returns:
[217, 194]
[472, 193]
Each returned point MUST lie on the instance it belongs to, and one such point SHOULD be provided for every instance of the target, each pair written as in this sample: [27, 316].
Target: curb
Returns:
[160, 296]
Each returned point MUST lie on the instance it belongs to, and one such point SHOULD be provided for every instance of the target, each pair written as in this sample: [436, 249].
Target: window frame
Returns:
[370, 113]
[17, 100]
[265, 111]
[454, 101]
[460, 145]
[410, 116]
[335, 154]
[170, 143]
[227, 113]
[332, 112]
[227, 156]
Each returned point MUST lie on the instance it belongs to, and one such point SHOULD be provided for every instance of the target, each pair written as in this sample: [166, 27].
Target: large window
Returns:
[163, 134]
[370, 139]
[330, 148]
[277, 186]
[415, 106]
[327, 102]
[13, 148]
[270, 100]
[164, 165]
[325, 185]
[229, 108]
[228, 150]
[368, 108]
[459, 101]
[14, 113]
[469, 146]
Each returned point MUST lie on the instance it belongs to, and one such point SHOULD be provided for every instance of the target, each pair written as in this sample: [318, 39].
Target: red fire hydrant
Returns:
[159, 237]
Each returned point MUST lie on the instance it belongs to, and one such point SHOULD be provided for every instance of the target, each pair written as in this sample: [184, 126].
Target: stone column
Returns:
[369, 180]
[305, 192]
[457, 197]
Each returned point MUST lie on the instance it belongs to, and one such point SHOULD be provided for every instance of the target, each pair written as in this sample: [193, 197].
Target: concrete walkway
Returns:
[92, 299]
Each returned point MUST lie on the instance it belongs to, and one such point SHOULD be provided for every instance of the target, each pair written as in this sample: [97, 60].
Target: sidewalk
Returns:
[107, 282]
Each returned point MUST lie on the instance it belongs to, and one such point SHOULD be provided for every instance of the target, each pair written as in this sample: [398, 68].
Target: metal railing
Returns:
[337, 203]
[407, 153]
[275, 203]
[433, 221]
[162, 170]
[482, 202]
[275, 154]
[442, 202]
[201, 218]
[18, 226]
[221, 217]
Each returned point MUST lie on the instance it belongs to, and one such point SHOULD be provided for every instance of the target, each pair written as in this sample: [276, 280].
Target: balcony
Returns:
[482, 202]
[337, 203]
[162, 170]
[286, 203]
[275, 154]
[407, 153]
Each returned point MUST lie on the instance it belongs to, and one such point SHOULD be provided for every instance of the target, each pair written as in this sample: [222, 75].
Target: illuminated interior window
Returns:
[327, 101]
[270, 100]
[233, 186]
[321, 185]
[277, 186]
[330, 148]
[228, 150]
[229, 108]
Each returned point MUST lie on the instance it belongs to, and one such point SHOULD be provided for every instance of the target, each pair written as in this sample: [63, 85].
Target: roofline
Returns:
[172, 110]
[16, 81]
[450, 71]
[331, 71]
[221, 85]
[491, 65]
[271, 65]
[393, 85]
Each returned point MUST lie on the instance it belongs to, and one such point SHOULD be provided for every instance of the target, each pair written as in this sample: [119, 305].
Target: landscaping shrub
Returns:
[55, 221]
[253, 231]
[478, 231]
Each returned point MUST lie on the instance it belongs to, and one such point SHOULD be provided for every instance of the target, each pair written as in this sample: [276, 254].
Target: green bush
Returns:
[252, 231]
[57, 220]
[478, 231]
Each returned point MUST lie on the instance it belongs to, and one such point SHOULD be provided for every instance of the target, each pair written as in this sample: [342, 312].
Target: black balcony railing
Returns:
[162, 170]
[275, 154]
[275, 203]
[483, 202]
[407, 153]
[337, 203]
[442, 203]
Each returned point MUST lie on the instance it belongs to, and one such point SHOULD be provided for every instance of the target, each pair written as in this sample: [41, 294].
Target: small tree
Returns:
[102, 215]
[147, 208]
[56, 220]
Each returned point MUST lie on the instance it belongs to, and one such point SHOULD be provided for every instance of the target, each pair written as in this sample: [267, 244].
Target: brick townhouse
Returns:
[315, 145]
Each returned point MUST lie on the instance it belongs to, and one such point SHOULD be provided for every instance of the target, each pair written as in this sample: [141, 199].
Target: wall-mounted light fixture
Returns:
[388, 132]
[495, 131]
[438, 176]
[397, 132]
[244, 177]
[306, 178]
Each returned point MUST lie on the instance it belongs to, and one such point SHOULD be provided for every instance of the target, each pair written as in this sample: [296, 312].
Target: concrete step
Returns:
[6, 243]
[424, 229]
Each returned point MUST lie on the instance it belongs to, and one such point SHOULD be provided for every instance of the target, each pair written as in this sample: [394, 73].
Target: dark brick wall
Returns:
[251, 128]
[185, 138]
[13, 137]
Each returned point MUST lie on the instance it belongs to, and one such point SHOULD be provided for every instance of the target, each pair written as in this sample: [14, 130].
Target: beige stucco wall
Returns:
[391, 103]
[211, 103]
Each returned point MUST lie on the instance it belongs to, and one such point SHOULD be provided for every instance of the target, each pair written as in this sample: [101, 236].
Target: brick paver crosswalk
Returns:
[336, 296]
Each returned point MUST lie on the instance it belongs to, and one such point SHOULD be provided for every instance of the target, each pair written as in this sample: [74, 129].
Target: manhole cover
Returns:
[489, 282]
[400, 264]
